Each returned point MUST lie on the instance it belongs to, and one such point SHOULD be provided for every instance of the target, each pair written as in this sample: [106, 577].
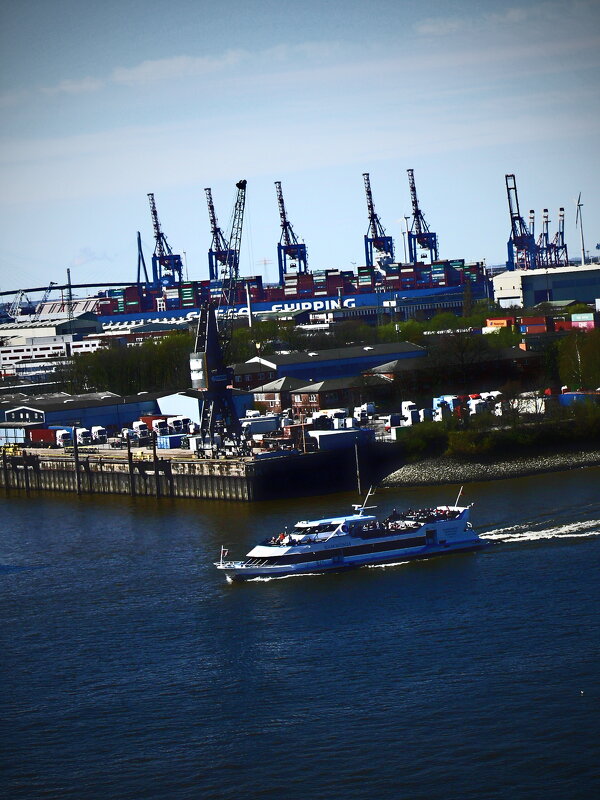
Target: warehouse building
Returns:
[338, 362]
[529, 287]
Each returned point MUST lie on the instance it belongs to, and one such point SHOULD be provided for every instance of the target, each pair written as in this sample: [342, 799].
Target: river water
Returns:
[131, 670]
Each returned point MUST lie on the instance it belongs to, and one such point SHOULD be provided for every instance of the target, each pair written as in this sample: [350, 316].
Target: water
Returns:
[131, 670]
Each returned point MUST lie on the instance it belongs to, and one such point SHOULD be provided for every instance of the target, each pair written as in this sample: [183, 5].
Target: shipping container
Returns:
[587, 324]
[42, 436]
[171, 442]
[583, 317]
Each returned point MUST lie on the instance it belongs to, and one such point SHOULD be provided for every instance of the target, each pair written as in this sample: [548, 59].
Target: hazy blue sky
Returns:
[103, 102]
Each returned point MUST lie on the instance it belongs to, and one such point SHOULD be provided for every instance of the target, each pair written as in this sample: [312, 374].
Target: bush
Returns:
[425, 439]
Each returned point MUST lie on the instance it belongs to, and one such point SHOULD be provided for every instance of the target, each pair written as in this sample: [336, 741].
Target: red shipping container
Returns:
[42, 436]
[533, 320]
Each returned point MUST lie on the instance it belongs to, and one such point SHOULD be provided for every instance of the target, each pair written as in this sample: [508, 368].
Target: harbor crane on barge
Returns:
[289, 246]
[167, 266]
[208, 361]
[376, 240]
[419, 236]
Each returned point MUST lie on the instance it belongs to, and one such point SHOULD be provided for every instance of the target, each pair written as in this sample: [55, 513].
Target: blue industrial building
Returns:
[110, 410]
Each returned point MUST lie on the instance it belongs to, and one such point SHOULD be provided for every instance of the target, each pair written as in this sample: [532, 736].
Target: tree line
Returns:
[163, 365]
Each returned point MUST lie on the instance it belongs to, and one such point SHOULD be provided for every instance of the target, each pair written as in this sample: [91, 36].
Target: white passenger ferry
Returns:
[360, 539]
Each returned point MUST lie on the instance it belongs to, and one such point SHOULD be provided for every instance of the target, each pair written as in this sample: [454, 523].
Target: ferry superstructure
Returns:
[356, 540]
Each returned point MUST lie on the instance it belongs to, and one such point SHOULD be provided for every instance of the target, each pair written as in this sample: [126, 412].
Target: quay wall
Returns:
[236, 479]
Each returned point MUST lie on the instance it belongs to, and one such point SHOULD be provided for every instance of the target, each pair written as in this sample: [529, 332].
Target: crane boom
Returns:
[15, 306]
[218, 239]
[419, 224]
[231, 268]
[288, 237]
[218, 254]
[161, 247]
[42, 302]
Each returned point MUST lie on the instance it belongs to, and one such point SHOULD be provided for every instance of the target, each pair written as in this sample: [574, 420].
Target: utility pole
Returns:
[249, 304]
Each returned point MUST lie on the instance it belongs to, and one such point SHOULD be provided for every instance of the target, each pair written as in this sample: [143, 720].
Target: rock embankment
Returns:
[446, 470]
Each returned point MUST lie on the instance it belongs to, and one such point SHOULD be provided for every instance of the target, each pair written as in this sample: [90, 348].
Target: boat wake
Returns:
[529, 533]
[267, 578]
[389, 564]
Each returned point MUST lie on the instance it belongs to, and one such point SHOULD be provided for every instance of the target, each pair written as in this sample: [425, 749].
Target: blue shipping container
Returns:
[170, 442]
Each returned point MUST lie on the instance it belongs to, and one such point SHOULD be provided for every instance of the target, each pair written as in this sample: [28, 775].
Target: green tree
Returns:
[579, 359]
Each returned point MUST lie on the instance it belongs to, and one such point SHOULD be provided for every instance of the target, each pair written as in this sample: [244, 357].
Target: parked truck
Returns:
[410, 414]
[142, 433]
[83, 435]
[64, 437]
[99, 434]
[259, 425]
[156, 423]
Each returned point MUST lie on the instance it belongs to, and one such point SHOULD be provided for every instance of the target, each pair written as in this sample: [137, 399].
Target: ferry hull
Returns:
[238, 573]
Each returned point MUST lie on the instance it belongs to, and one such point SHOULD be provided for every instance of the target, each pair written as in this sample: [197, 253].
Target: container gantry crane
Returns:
[289, 247]
[219, 254]
[167, 267]
[522, 247]
[376, 240]
[544, 258]
[420, 238]
[558, 248]
[208, 362]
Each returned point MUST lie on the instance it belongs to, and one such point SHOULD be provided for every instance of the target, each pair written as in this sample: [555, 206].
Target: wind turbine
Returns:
[579, 221]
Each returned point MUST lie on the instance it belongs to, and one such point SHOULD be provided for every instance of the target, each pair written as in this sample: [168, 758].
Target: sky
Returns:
[101, 103]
